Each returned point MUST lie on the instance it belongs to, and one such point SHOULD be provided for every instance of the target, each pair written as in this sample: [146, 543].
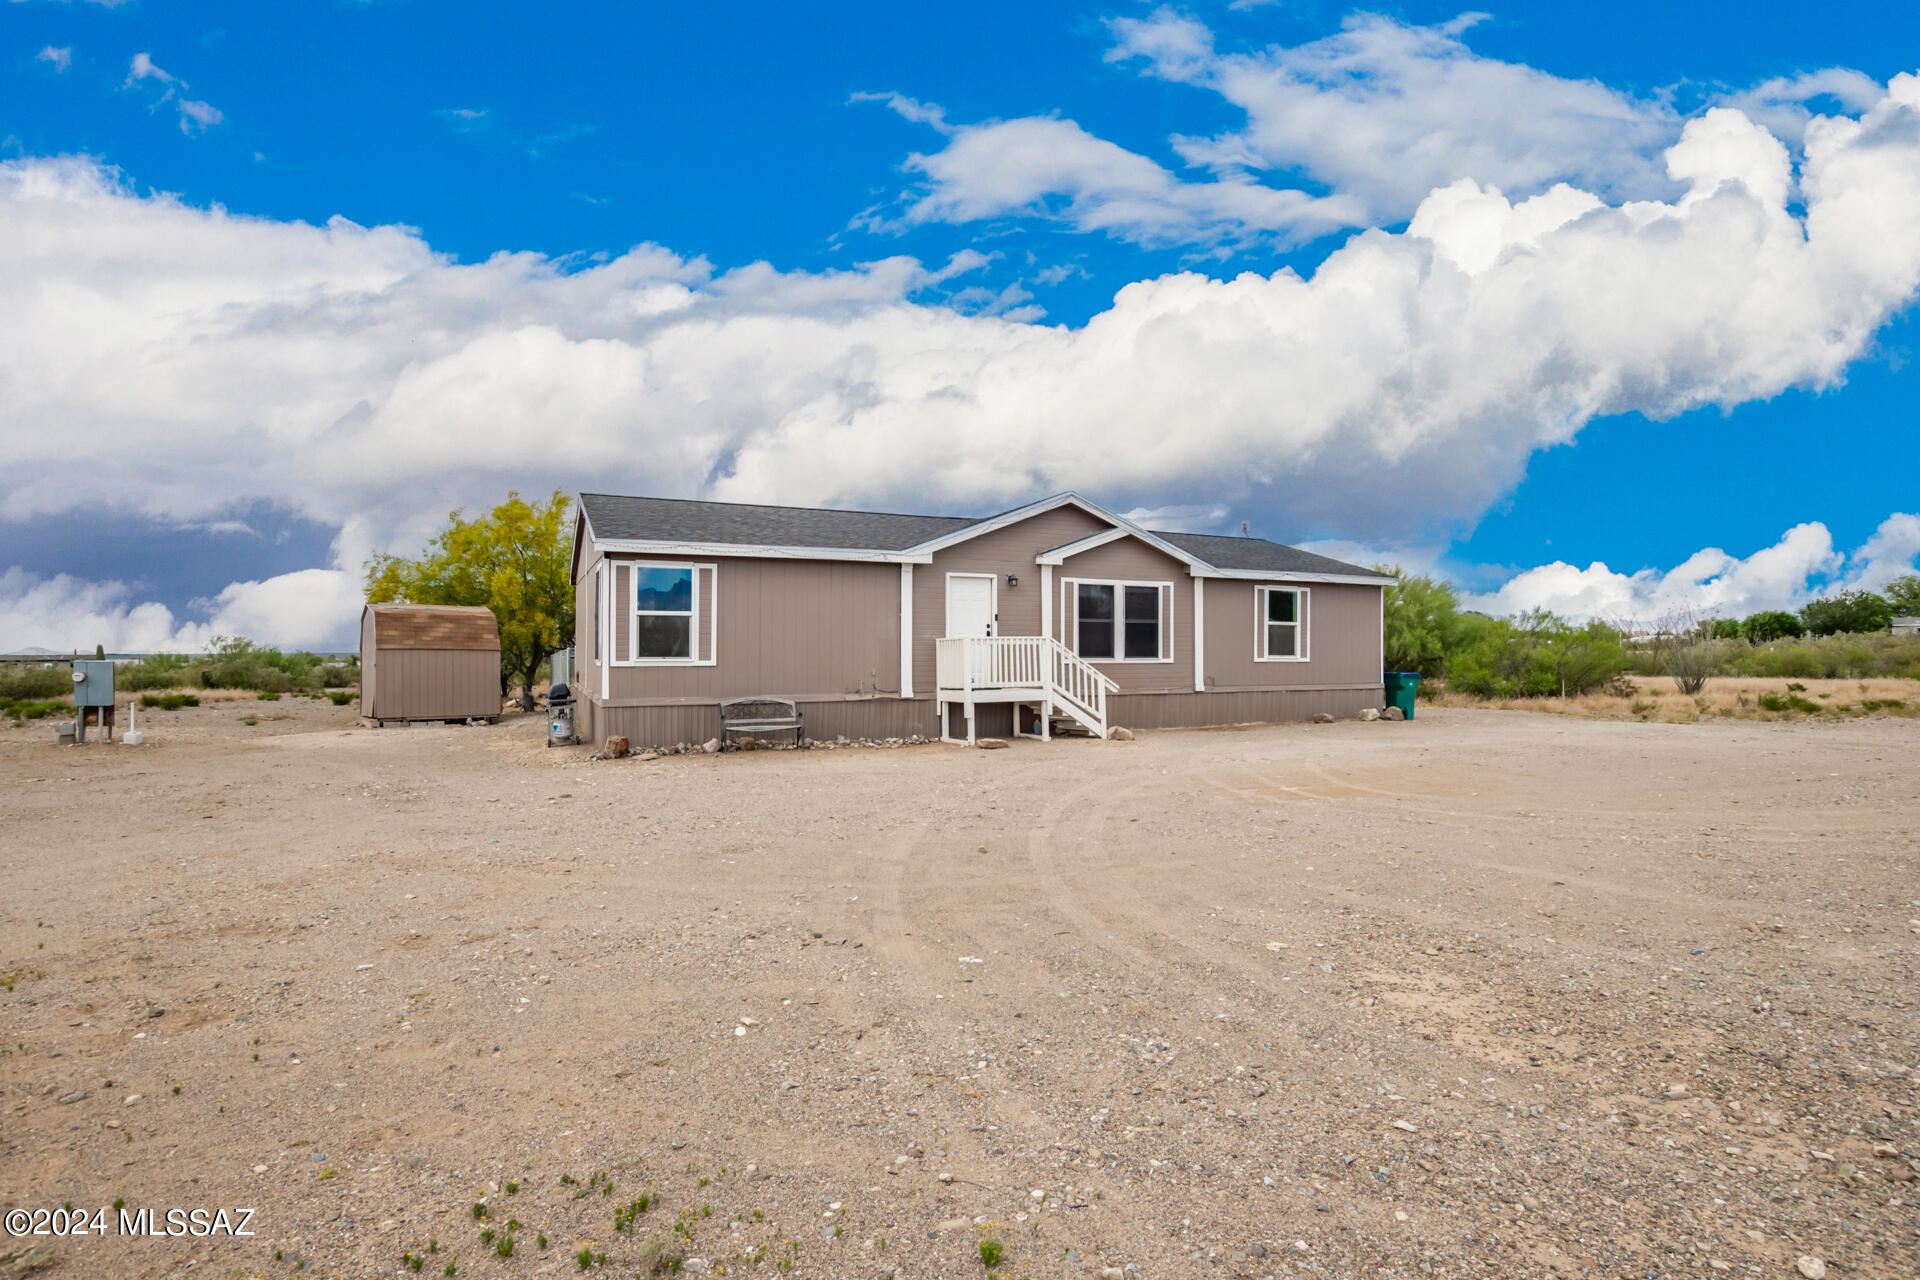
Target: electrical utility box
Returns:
[92, 697]
[92, 683]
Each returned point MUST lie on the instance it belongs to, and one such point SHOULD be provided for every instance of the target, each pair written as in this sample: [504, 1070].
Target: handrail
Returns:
[970, 664]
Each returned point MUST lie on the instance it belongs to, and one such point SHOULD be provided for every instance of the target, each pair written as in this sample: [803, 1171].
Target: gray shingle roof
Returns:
[745, 524]
[1260, 555]
[749, 525]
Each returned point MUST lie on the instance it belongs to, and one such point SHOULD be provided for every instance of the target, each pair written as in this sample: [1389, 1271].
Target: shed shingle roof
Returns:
[434, 626]
[747, 525]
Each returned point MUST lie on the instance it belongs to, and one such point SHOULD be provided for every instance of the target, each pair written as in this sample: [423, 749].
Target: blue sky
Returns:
[1032, 162]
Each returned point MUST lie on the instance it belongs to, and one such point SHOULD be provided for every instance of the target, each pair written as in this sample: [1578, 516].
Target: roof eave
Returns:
[1288, 575]
[758, 551]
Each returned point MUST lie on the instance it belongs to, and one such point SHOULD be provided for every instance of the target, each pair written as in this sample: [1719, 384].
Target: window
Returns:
[1121, 621]
[663, 613]
[1282, 613]
[1143, 622]
[1095, 615]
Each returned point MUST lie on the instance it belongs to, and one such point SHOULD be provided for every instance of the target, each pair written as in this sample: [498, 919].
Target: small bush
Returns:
[27, 709]
[339, 698]
[1788, 702]
[169, 701]
[269, 696]
[991, 1252]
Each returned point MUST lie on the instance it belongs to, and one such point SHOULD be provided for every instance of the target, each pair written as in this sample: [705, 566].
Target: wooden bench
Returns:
[761, 715]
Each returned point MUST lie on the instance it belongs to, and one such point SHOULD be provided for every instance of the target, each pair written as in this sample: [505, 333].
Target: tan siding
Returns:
[1177, 710]
[854, 718]
[437, 684]
[1344, 643]
[586, 667]
[1129, 559]
[790, 628]
[1009, 550]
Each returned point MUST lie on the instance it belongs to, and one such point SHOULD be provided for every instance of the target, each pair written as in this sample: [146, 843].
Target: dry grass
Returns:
[207, 695]
[1725, 697]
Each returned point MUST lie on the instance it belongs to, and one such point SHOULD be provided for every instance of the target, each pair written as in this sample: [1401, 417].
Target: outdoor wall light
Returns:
[1013, 580]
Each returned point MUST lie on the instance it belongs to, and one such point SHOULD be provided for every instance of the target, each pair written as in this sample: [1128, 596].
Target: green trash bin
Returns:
[1400, 689]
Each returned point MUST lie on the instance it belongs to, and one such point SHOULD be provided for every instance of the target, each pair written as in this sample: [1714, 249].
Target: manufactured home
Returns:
[1058, 615]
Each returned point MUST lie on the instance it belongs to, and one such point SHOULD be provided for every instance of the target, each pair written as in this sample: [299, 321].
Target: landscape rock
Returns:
[1322, 717]
[711, 746]
[618, 748]
[1120, 735]
[1676, 1092]
[1393, 713]
[1369, 713]
[1811, 1267]
[73, 1097]
[990, 744]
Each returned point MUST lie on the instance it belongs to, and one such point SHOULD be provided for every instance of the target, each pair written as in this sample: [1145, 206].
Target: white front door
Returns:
[969, 605]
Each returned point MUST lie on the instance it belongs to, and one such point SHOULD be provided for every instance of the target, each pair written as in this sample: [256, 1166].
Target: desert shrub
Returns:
[32, 681]
[1788, 702]
[1787, 662]
[155, 671]
[32, 708]
[169, 701]
[238, 663]
[1532, 655]
[340, 697]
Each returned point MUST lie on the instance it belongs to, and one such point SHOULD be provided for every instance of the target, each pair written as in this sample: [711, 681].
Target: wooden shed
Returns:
[429, 662]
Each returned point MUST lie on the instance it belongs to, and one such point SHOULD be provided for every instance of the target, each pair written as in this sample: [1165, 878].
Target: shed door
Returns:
[969, 605]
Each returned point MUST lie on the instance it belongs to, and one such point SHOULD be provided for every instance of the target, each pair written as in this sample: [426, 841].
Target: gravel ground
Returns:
[1484, 994]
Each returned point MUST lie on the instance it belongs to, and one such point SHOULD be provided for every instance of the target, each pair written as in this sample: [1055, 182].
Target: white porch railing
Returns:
[1021, 669]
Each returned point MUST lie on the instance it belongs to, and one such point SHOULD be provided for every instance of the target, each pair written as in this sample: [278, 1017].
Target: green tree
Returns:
[1903, 595]
[1419, 619]
[513, 560]
[1852, 612]
[1771, 624]
[1532, 655]
[1723, 628]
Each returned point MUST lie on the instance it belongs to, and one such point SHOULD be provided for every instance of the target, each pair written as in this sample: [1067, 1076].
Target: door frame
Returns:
[993, 603]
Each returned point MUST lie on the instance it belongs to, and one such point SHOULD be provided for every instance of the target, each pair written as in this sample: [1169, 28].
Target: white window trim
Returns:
[1069, 592]
[1305, 613]
[695, 631]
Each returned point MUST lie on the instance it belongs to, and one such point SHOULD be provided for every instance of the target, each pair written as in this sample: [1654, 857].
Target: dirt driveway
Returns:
[1488, 993]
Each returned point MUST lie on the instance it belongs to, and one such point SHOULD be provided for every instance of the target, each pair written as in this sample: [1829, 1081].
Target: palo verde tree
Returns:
[1418, 620]
[513, 560]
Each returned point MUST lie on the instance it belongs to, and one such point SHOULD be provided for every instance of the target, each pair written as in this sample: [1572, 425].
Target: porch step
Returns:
[1067, 727]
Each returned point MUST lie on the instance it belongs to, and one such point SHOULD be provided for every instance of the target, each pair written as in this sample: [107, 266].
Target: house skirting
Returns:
[666, 724]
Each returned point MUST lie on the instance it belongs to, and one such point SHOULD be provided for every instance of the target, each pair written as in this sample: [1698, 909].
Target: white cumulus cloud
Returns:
[1049, 168]
[1801, 566]
[189, 360]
